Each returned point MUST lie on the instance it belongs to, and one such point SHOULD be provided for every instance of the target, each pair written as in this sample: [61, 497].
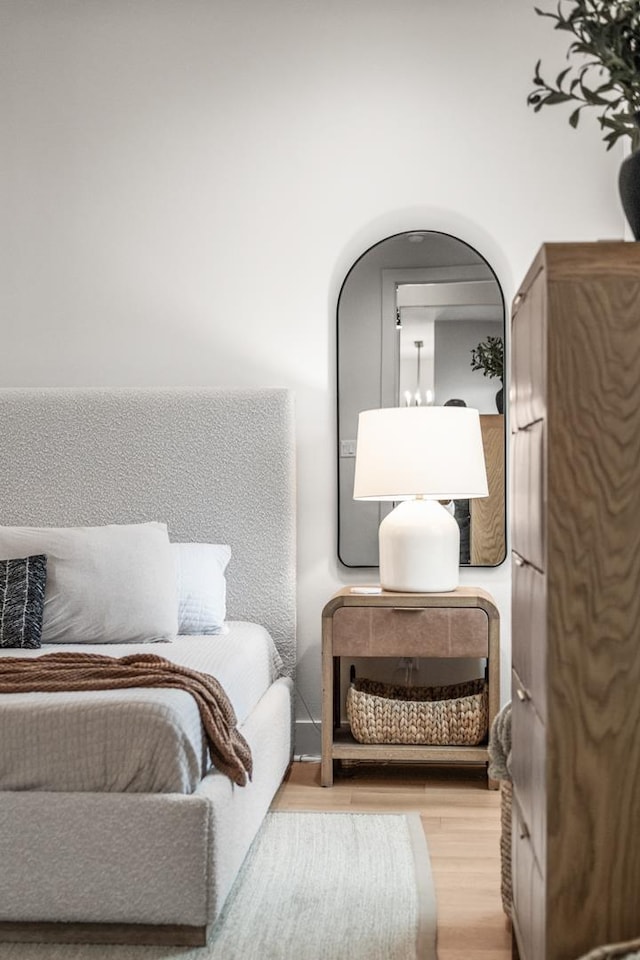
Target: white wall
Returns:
[186, 183]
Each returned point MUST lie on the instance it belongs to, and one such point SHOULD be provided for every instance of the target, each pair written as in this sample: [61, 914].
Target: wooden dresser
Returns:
[575, 462]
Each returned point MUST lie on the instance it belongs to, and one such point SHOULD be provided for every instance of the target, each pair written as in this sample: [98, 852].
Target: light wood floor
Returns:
[461, 820]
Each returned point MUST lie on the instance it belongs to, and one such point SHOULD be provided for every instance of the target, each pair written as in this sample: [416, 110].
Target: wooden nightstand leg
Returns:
[326, 765]
[326, 772]
[336, 693]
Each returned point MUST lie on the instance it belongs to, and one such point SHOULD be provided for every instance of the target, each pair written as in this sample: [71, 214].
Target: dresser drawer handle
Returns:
[408, 609]
[523, 694]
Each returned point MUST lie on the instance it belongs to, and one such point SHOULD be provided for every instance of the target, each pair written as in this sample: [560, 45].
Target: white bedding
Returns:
[136, 740]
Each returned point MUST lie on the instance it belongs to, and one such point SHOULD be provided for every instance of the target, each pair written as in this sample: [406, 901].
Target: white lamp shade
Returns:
[430, 452]
[419, 454]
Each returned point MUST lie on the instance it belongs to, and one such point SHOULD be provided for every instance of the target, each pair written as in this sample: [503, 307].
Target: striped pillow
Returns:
[22, 584]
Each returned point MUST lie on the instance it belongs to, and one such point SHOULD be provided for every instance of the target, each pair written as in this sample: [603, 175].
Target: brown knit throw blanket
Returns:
[229, 750]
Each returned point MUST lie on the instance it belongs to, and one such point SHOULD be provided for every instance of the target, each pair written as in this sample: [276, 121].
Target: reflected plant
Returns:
[488, 356]
[607, 74]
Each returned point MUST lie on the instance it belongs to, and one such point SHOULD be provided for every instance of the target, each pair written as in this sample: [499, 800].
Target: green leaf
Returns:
[575, 117]
[561, 76]
[608, 123]
[557, 97]
[592, 98]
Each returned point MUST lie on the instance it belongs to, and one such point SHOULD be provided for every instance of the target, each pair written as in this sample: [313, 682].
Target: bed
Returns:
[148, 854]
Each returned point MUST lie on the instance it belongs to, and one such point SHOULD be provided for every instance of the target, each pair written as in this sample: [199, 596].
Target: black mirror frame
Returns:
[505, 384]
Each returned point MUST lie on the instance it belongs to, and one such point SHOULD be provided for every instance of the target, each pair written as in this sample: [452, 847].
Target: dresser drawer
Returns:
[410, 632]
[529, 630]
[528, 355]
[529, 493]
[528, 890]
[528, 762]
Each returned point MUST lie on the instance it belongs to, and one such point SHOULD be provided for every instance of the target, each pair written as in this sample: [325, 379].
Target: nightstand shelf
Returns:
[463, 623]
[345, 747]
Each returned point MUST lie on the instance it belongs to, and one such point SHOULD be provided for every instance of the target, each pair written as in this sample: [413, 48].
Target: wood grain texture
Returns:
[593, 665]
[488, 519]
[528, 354]
[330, 709]
[529, 493]
[460, 597]
[578, 262]
[590, 886]
[346, 748]
[528, 892]
[529, 630]
[528, 768]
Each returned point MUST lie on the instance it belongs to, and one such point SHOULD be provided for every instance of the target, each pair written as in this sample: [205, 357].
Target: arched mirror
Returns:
[421, 319]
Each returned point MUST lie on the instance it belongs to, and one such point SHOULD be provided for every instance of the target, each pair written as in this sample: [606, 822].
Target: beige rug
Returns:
[315, 886]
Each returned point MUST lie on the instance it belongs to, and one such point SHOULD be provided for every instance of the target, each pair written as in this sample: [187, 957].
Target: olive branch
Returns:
[608, 75]
[488, 356]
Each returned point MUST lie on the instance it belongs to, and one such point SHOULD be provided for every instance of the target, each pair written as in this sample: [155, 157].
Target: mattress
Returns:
[135, 740]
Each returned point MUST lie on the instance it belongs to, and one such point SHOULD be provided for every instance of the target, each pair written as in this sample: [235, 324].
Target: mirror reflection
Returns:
[421, 320]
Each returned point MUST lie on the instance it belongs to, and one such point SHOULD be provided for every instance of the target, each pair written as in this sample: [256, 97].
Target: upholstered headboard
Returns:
[216, 465]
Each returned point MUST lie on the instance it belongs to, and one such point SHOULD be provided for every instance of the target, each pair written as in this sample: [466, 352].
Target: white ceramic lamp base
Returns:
[419, 548]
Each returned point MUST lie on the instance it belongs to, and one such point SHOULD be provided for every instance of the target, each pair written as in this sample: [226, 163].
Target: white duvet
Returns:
[135, 740]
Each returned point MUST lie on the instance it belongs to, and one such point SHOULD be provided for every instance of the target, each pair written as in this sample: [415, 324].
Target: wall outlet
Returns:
[347, 448]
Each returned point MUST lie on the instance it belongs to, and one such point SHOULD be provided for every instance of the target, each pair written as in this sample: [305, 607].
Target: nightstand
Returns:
[463, 623]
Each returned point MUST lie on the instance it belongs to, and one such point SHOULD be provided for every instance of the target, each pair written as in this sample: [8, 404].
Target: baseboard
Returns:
[307, 740]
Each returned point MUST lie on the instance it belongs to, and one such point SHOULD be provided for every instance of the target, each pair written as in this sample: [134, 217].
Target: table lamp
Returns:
[419, 455]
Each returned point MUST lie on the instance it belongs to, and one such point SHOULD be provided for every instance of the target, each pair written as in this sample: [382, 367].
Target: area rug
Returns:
[315, 886]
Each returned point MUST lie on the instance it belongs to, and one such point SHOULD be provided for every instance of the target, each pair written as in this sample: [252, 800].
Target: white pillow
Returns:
[202, 588]
[111, 584]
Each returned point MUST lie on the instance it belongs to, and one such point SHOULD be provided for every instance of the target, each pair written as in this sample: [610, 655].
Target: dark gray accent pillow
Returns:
[22, 584]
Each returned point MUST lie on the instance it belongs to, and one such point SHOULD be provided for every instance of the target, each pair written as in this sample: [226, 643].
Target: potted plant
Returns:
[488, 356]
[605, 74]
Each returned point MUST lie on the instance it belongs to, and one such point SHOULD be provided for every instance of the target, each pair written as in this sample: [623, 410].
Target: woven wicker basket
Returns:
[506, 885]
[383, 713]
